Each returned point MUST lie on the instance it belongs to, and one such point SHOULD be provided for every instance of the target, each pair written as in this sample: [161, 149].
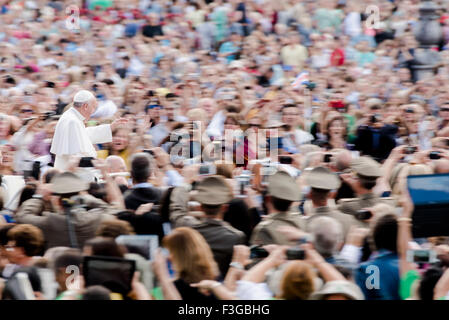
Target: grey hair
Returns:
[327, 234]
[79, 104]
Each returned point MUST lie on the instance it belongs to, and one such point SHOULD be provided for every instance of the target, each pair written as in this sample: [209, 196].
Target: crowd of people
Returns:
[263, 146]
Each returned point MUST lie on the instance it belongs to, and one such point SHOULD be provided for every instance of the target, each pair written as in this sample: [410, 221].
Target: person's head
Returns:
[327, 235]
[85, 102]
[192, 257]
[338, 290]
[116, 164]
[404, 74]
[27, 192]
[198, 115]
[319, 197]
[120, 139]
[428, 281]
[68, 257]
[5, 126]
[366, 172]
[342, 160]
[24, 242]
[8, 152]
[290, 115]
[444, 111]
[232, 121]
[100, 246]
[298, 281]
[321, 181]
[384, 232]
[282, 191]
[209, 105]
[336, 127]
[140, 167]
[96, 293]
[214, 194]
[4, 238]
[294, 38]
[113, 228]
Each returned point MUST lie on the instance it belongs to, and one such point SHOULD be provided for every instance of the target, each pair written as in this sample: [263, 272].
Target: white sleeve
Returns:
[174, 178]
[100, 134]
[247, 290]
[351, 253]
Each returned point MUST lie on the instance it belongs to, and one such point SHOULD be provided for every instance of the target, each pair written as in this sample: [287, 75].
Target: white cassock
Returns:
[72, 138]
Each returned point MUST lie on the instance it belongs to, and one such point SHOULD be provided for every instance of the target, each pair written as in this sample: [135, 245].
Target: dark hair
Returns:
[318, 194]
[288, 105]
[4, 233]
[367, 183]
[68, 258]
[105, 247]
[171, 95]
[140, 167]
[27, 193]
[385, 233]
[211, 210]
[428, 282]
[28, 237]
[49, 174]
[280, 204]
[164, 205]
[238, 216]
[96, 293]
[97, 190]
[107, 81]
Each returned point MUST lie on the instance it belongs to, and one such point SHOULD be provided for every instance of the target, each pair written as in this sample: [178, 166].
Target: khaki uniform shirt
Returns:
[266, 232]
[346, 220]
[352, 205]
[220, 235]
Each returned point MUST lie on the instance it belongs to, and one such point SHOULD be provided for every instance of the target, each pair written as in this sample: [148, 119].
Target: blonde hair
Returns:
[192, 257]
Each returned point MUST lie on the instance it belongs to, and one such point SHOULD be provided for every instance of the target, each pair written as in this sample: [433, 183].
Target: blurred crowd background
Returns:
[338, 102]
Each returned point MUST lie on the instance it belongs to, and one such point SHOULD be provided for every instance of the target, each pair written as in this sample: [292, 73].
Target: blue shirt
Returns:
[228, 47]
[382, 272]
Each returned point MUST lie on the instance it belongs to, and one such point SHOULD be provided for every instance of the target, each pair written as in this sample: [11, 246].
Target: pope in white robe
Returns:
[72, 138]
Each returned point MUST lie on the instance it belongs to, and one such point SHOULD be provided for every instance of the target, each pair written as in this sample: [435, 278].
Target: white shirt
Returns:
[73, 138]
[300, 137]
[353, 24]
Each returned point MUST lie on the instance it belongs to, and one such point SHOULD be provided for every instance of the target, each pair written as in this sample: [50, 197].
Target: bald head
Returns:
[116, 164]
[343, 160]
